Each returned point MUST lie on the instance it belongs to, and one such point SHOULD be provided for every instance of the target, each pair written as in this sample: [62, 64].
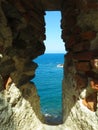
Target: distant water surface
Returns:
[48, 81]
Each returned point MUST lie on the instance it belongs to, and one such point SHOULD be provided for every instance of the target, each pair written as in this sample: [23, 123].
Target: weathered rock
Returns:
[76, 115]
[17, 112]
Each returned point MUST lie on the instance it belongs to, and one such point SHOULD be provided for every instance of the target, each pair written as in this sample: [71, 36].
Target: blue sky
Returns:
[53, 42]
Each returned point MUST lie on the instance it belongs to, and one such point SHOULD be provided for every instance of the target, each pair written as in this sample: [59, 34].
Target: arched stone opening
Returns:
[80, 84]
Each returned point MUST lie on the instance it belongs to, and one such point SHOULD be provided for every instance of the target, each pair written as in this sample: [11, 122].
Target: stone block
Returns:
[85, 56]
[71, 41]
[92, 74]
[76, 30]
[19, 6]
[11, 11]
[85, 6]
[70, 21]
[7, 66]
[88, 35]
[28, 4]
[91, 6]
[36, 16]
[82, 46]
[83, 66]
[81, 81]
[68, 56]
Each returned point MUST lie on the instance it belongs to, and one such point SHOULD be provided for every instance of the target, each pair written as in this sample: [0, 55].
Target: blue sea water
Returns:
[48, 81]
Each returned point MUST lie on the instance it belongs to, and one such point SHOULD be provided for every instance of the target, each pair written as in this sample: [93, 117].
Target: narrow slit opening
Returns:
[49, 73]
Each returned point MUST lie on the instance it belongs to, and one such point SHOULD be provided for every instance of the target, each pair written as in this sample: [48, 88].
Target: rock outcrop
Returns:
[19, 109]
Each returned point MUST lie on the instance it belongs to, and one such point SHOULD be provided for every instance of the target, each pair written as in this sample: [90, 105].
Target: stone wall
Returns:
[80, 84]
[22, 32]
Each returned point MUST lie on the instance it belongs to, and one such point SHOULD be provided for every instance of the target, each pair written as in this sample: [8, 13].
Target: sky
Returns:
[53, 42]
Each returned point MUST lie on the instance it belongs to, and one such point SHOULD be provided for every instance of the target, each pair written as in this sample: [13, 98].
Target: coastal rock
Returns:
[76, 111]
[17, 112]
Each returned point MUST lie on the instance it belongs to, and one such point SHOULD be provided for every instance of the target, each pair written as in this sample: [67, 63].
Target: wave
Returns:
[60, 66]
[53, 119]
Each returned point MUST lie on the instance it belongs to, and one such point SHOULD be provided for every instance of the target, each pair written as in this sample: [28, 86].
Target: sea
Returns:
[48, 80]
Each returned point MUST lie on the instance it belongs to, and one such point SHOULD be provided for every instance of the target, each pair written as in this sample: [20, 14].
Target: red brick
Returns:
[92, 5]
[85, 6]
[92, 74]
[71, 41]
[81, 81]
[82, 66]
[76, 30]
[89, 35]
[82, 46]
[68, 56]
[70, 21]
[85, 56]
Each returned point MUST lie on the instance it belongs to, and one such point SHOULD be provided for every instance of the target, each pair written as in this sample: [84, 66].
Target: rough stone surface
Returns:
[80, 84]
[16, 112]
[76, 115]
[22, 35]
[19, 110]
